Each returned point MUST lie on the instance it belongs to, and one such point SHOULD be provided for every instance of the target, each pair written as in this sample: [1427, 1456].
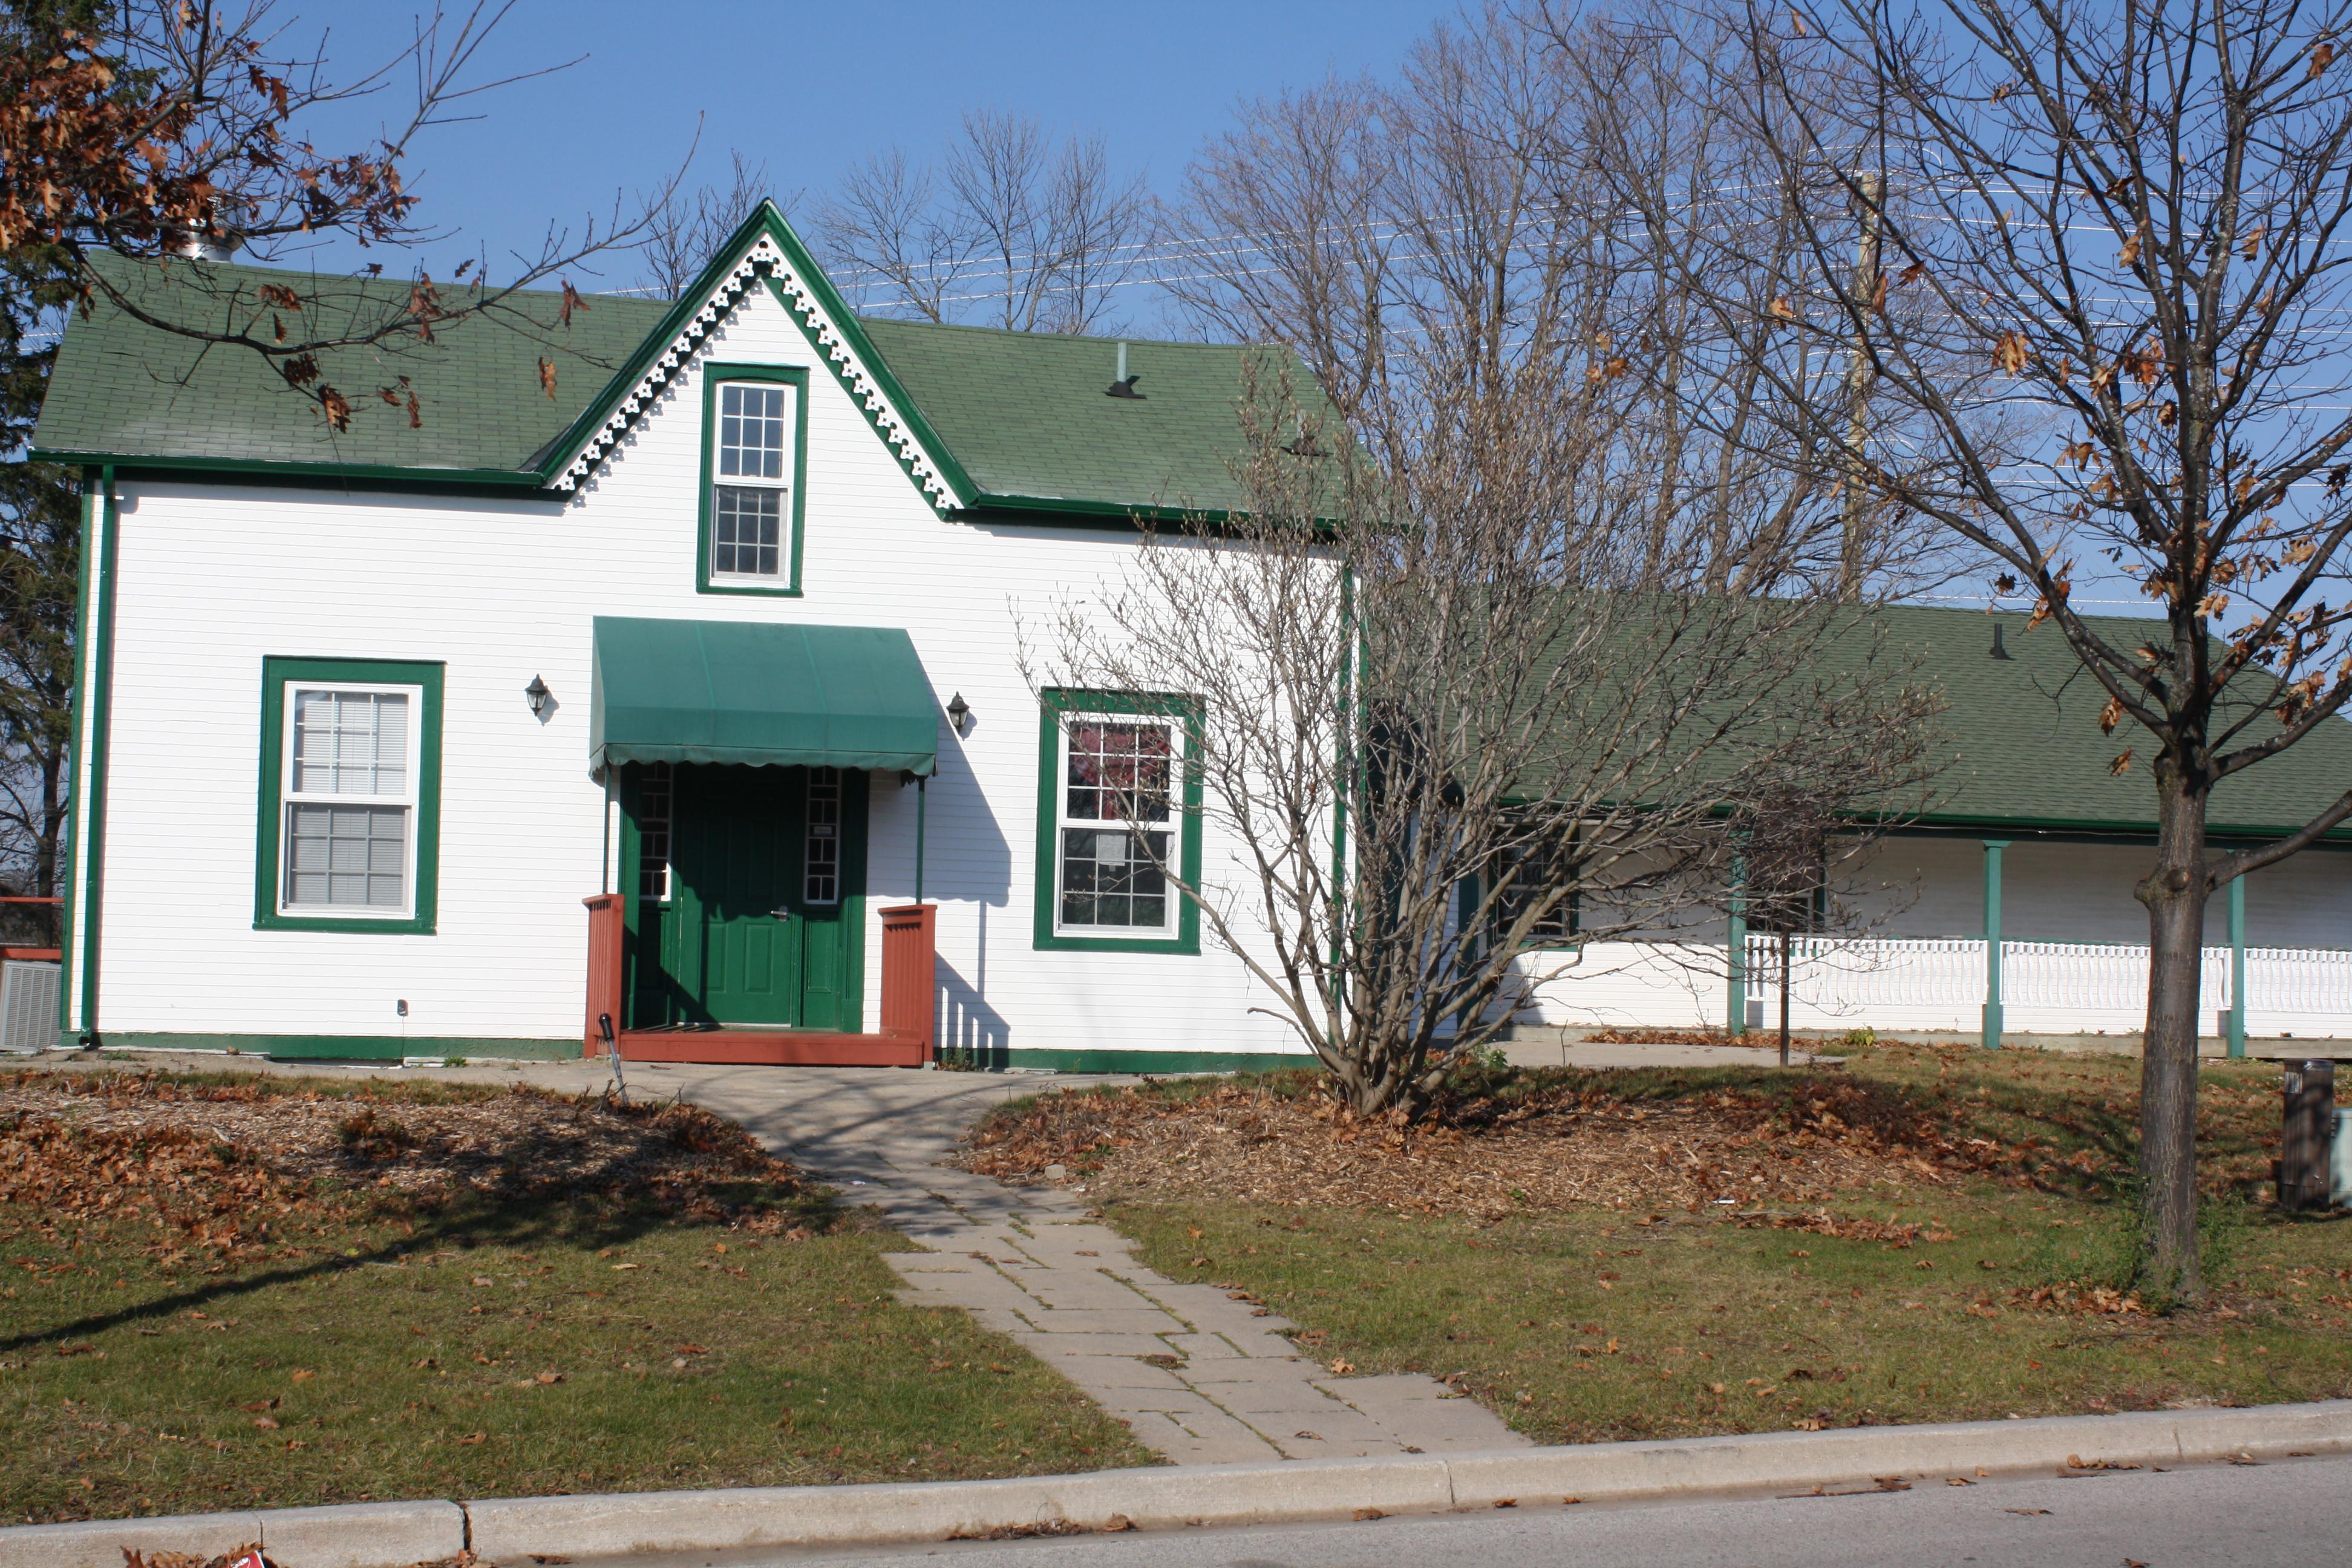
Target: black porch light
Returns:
[959, 713]
[540, 697]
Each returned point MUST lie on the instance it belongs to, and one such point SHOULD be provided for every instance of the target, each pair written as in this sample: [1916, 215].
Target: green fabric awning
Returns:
[762, 694]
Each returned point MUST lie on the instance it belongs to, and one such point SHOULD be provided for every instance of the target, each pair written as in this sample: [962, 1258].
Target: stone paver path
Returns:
[1201, 1377]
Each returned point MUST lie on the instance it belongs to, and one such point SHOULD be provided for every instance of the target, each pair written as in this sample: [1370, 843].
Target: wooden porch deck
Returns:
[908, 1002]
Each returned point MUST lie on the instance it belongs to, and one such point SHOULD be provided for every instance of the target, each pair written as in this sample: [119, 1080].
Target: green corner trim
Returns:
[351, 1047]
[1055, 702]
[94, 686]
[713, 377]
[276, 671]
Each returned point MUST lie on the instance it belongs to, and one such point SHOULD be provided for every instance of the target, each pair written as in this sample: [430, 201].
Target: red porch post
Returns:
[909, 980]
[605, 941]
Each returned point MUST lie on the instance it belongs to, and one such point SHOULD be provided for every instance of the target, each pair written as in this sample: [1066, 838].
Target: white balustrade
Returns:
[1937, 983]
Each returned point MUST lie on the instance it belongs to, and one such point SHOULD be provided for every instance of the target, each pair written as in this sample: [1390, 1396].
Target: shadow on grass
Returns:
[609, 1202]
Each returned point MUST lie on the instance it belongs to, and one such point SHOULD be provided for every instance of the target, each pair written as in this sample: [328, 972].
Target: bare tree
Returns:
[1007, 230]
[2106, 348]
[687, 229]
[178, 131]
[1457, 667]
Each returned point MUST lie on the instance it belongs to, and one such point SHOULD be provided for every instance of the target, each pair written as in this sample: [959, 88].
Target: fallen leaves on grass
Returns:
[1574, 1141]
[229, 1168]
[2070, 1295]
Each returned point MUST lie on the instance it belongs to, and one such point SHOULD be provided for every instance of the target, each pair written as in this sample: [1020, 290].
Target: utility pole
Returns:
[1870, 192]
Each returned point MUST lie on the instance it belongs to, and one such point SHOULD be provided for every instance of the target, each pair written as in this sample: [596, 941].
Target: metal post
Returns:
[2237, 966]
[921, 794]
[1990, 1038]
[1736, 958]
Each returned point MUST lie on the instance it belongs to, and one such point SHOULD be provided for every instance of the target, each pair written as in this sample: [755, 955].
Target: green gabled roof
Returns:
[2026, 741]
[1028, 415]
[1015, 420]
[126, 392]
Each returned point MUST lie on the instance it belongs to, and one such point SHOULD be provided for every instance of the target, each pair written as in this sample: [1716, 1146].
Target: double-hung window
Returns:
[351, 763]
[754, 425]
[1118, 822]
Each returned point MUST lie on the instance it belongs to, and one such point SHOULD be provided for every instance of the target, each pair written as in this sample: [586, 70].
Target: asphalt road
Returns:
[2296, 1512]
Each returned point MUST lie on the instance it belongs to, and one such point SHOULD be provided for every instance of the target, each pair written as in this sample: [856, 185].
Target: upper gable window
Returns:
[755, 441]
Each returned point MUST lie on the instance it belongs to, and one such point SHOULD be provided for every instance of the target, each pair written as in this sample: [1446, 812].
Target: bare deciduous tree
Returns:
[687, 229]
[2108, 348]
[1007, 229]
[1458, 668]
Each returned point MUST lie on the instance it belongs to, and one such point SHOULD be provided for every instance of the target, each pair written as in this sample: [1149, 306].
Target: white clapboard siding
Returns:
[212, 578]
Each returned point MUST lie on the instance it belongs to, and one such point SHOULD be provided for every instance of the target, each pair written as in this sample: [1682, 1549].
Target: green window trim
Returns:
[1056, 702]
[277, 673]
[714, 376]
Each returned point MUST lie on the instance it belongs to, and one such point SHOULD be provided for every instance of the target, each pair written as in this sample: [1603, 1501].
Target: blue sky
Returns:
[811, 88]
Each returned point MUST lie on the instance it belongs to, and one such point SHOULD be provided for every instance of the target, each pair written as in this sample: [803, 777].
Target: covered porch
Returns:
[737, 761]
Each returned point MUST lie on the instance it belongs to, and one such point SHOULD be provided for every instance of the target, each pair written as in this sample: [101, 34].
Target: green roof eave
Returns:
[504, 479]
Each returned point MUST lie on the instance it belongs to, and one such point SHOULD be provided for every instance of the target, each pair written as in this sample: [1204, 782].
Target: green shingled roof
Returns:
[2027, 744]
[126, 390]
[1025, 415]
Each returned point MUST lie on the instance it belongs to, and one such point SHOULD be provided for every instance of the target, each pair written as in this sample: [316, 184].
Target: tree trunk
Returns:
[2175, 895]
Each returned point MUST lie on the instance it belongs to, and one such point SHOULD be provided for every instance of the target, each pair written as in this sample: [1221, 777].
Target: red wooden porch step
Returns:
[909, 944]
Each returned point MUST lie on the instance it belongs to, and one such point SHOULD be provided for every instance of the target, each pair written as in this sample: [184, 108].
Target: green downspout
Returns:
[2237, 966]
[921, 794]
[1735, 945]
[102, 679]
[1990, 1038]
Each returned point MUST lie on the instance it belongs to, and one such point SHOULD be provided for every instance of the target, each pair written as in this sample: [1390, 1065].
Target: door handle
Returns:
[781, 913]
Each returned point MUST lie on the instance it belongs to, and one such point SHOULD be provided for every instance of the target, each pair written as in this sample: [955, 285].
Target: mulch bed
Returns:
[1550, 1147]
[230, 1168]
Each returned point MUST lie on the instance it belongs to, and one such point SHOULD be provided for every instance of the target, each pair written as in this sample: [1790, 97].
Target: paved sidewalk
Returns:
[1199, 1377]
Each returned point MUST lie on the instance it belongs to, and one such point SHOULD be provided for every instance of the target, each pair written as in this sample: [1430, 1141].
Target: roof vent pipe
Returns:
[1998, 651]
[1125, 385]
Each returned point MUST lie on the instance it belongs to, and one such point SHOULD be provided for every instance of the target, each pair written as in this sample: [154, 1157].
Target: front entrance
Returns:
[751, 903]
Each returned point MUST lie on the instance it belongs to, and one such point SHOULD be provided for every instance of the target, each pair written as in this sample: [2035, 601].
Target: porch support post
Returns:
[1735, 951]
[921, 794]
[2237, 966]
[1990, 1037]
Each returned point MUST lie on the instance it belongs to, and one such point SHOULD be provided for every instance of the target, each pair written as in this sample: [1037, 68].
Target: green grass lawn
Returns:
[1585, 1323]
[508, 1342]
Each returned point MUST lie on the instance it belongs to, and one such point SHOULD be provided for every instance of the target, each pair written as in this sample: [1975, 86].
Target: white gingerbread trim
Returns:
[764, 259]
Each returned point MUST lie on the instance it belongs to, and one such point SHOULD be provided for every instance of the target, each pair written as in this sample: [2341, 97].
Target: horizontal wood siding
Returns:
[215, 578]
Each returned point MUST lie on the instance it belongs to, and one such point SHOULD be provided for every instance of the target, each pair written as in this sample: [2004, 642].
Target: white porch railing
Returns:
[1932, 984]
[2047, 987]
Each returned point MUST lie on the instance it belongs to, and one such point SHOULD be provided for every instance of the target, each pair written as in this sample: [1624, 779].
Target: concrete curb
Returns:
[359, 1535]
[510, 1530]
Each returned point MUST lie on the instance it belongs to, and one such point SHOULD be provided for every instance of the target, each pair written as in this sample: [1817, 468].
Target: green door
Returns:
[765, 921]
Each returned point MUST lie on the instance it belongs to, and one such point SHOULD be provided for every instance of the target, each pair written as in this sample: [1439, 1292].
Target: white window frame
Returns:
[1179, 759]
[783, 485]
[409, 800]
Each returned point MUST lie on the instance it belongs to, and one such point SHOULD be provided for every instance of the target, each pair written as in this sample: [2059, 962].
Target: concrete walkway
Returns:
[1199, 1377]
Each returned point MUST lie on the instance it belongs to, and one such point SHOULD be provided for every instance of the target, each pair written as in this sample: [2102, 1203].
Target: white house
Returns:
[659, 663]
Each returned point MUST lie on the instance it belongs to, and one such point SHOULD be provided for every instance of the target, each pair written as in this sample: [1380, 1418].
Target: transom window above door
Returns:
[754, 444]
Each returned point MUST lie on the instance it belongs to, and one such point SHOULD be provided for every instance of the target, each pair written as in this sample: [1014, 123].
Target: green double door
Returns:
[763, 922]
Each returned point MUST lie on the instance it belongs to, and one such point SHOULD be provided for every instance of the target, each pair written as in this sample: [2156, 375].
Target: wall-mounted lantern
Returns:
[959, 713]
[541, 698]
